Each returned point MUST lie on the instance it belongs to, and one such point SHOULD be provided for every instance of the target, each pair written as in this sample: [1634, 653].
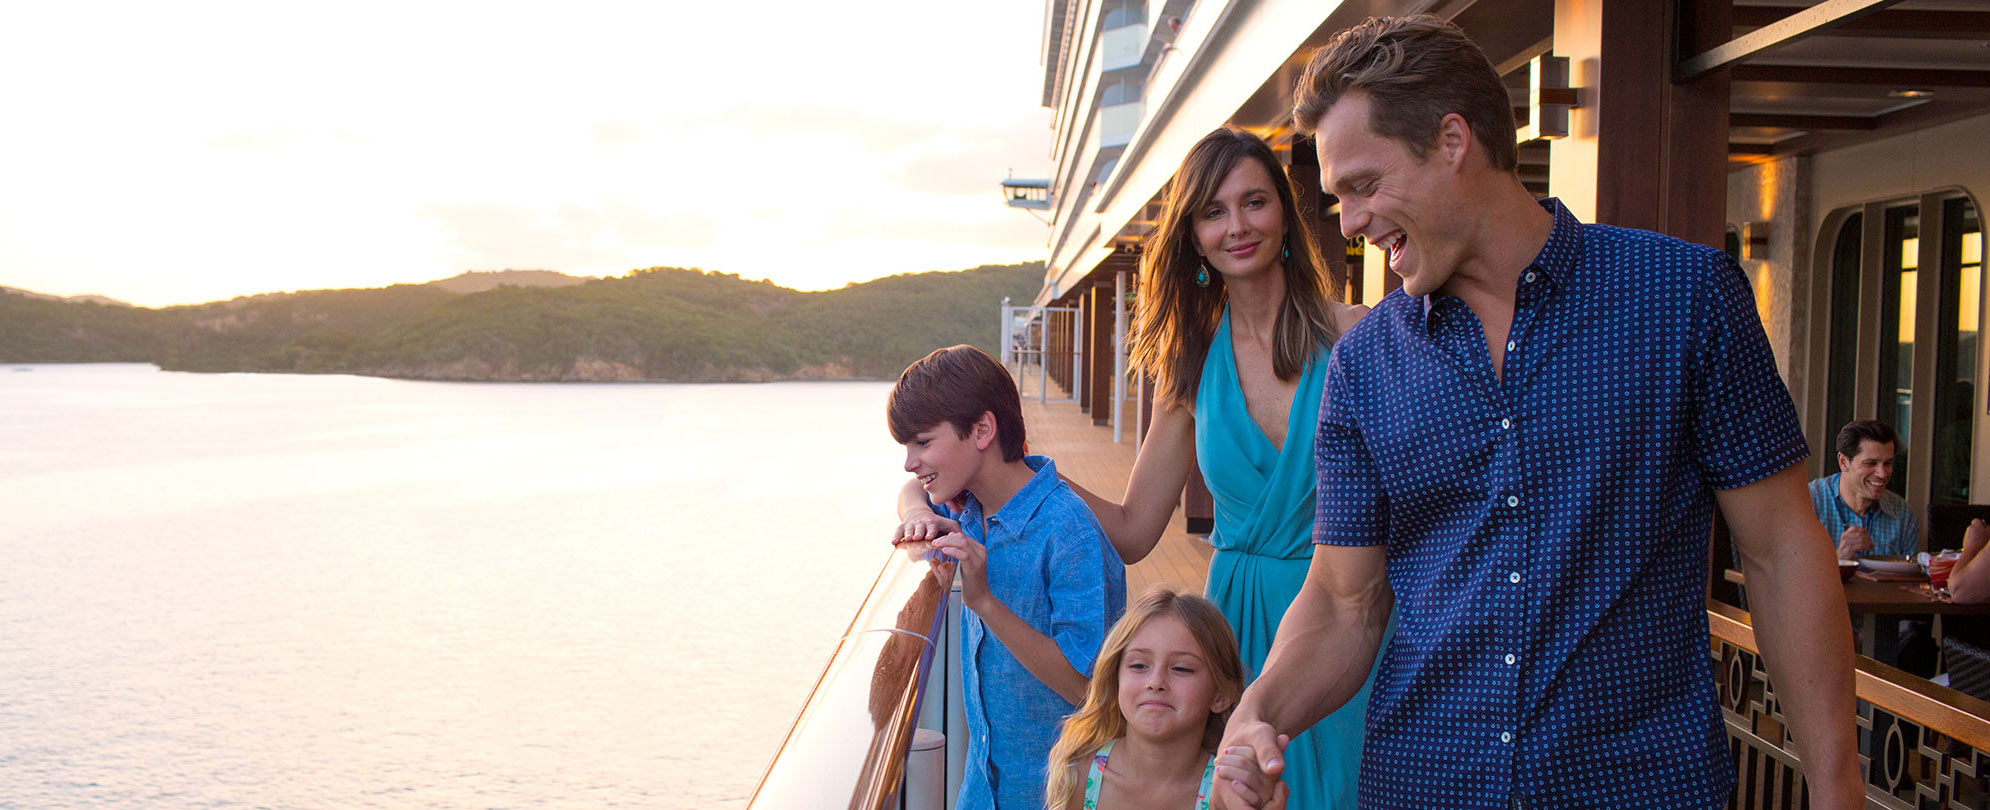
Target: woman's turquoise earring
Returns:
[1202, 274]
[1286, 254]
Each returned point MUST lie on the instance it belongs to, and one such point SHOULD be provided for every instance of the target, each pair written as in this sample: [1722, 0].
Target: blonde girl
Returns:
[1161, 690]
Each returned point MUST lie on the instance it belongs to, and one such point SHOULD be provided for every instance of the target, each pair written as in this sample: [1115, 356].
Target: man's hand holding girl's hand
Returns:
[1249, 764]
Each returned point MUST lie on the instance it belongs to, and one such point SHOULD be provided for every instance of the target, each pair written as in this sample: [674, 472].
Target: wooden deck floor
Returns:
[1086, 454]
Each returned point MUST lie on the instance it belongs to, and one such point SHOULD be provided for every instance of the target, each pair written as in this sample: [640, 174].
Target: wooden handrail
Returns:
[847, 747]
[1905, 695]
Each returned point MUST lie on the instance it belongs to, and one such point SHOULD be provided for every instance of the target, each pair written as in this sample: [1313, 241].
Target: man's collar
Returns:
[1557, 259]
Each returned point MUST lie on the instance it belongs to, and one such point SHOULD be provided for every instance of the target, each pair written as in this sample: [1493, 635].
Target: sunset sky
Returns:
[170, 153]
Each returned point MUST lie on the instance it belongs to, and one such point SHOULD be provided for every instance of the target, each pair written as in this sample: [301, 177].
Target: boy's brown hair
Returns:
[956, 385]
[1415, 70]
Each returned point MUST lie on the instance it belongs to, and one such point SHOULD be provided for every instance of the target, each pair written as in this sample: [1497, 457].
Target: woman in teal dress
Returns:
[1235, 324]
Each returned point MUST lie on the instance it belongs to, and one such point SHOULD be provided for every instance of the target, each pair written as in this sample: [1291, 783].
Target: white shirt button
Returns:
[1513, 577]
[1512, 500]
[1510, 344]
[1506, 423]
[1509, 659]
[1506, 736]
[1530, 276]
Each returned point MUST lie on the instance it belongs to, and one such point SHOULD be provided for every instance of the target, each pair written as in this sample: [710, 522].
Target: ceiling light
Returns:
[1912, 94]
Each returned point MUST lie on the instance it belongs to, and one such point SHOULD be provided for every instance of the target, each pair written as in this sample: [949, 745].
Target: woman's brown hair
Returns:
[1178, 319]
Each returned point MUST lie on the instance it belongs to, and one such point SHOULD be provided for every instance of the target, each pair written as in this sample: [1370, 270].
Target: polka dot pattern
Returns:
[1547, 532]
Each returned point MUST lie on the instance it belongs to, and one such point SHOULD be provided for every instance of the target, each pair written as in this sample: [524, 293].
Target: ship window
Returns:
[1122, 13]
[1919, 263]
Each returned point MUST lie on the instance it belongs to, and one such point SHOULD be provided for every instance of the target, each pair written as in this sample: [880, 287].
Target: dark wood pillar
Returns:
[1054, 361]
[1325, 228]
[1067, 345]
[1146, 408]
[1655, 151]
[1198, 507]
[1064, 356]
[1098, 352]
[1087, 315]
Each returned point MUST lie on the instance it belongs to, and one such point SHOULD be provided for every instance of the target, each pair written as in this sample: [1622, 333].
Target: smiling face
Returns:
[1867, 473]
[1390, 198]
[1166, 689]
[1241, 231]
[947, 461]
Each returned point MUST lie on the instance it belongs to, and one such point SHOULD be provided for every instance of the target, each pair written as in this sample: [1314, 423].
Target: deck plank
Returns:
[1087, 455]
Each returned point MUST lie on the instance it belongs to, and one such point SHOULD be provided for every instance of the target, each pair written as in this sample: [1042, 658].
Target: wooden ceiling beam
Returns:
[1821, 17]
[1890, 77]
[1804, 122]
[1902, 23]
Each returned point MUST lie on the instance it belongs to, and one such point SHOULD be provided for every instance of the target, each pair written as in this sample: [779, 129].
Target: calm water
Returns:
[222, 591]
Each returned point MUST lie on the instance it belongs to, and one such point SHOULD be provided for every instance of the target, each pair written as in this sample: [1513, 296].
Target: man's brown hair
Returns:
[956, 385]
[1415, 70]
[1865, 430]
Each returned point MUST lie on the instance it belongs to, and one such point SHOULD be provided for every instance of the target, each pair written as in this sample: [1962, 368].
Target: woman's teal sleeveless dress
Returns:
[1264, 544]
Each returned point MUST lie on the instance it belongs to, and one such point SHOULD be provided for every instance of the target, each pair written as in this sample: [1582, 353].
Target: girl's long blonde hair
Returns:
[1177, 319]
[1099, 721]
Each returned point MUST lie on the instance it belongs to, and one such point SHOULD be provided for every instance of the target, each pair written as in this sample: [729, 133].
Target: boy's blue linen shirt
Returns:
[1050, 564]
[1547, 531]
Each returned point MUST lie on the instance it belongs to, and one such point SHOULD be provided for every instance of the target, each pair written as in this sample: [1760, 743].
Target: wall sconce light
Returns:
[1549, 98]
[1755, 241]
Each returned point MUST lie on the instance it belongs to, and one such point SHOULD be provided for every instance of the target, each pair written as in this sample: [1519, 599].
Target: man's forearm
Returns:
[1806, 644]
[1321, 657]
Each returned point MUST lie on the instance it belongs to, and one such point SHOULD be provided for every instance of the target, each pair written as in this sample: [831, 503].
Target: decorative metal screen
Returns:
[1906, 764]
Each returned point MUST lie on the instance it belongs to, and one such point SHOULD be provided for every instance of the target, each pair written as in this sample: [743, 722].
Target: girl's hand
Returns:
[1242, 785]
[973, 560]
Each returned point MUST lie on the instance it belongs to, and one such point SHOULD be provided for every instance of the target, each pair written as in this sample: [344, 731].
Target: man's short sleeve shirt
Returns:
[1547, 528]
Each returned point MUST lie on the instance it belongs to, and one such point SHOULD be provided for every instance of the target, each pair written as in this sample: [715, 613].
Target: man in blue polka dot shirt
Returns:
[1519, 456]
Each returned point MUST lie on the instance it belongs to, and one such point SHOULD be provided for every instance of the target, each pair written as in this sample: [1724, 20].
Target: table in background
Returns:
[1869, 600]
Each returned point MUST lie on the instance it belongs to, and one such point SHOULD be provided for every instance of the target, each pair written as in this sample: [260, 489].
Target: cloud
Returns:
[614, 133]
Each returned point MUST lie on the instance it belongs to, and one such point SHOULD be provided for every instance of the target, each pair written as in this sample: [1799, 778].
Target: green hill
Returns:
[661, 324]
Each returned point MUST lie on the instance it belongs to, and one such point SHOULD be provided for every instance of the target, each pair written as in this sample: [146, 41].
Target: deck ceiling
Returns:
[1873, 69]
[1895, 68]
[1876, 69]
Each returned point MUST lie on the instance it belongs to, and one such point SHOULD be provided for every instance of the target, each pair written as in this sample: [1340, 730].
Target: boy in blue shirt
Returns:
[1040, 584]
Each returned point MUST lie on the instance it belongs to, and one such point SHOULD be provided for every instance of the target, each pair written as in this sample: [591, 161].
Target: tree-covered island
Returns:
[658, 324]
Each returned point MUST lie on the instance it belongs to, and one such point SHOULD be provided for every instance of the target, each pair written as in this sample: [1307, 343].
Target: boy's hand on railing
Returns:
[973, 560]
[923, 528]
[1241, 784]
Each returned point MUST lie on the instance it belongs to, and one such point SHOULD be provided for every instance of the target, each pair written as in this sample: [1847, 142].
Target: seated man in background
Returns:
[1854, 504]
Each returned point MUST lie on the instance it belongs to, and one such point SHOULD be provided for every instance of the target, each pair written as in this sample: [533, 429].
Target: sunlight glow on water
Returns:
[224, 591]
